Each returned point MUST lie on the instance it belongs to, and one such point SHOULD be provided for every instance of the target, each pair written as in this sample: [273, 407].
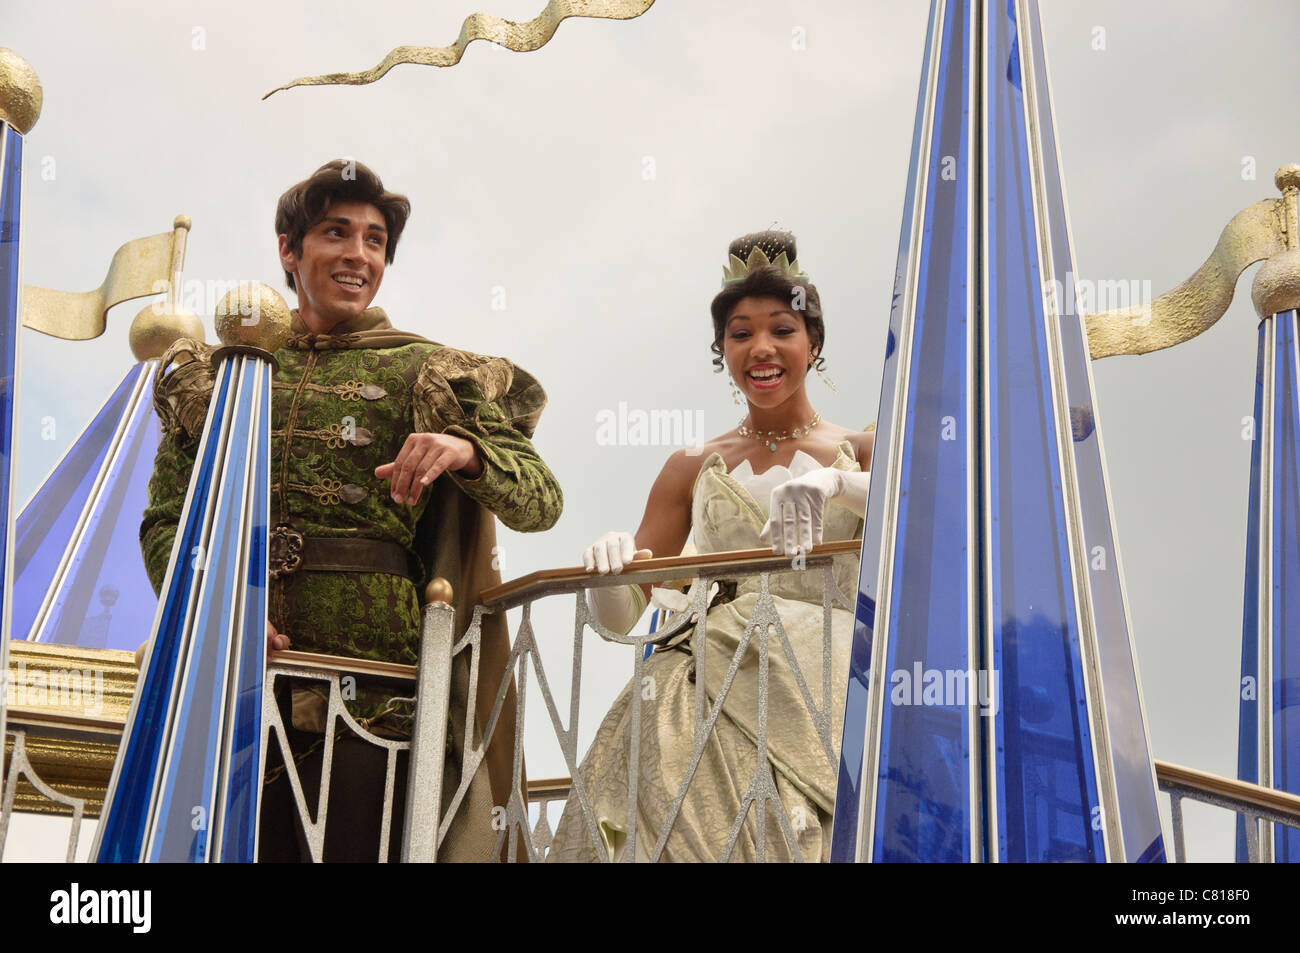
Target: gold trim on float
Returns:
[71, 740]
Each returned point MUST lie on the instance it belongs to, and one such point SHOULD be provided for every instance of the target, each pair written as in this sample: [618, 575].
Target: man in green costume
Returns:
[389, 456]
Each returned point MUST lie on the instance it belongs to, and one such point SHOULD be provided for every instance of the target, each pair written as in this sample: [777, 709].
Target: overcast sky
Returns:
[595, 185]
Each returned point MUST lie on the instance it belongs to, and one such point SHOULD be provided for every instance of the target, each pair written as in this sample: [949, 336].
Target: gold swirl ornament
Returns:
[20, 92]
[517, 37]
[1265, 231]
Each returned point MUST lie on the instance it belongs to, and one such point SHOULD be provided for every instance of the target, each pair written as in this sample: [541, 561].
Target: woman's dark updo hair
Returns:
[768, 282]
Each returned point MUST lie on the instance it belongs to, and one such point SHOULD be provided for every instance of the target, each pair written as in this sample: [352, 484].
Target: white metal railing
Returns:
[1258, 806]
[427, 820]
[764, 634]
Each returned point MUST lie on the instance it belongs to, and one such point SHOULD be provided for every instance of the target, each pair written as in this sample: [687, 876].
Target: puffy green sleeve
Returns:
[181, 400]
[495, 405]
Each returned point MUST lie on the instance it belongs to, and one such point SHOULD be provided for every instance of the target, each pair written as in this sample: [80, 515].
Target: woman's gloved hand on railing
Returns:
[796, 507]
[616, 607]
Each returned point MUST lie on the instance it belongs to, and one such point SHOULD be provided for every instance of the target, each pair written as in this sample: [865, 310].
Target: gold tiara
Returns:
[737, 270]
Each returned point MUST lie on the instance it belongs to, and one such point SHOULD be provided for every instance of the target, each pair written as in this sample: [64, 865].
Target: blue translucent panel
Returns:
[131, 794]
[11, 182]
[853, 740]
[244, 775]
[190, 770]
[924, 797]
[1248, 719]
[1130, 748]
[1286, 577]
[105, 599]
[1045, 785]
[46, 524]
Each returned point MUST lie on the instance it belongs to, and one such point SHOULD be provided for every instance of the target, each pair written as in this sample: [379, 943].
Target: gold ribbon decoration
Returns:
[1255, 233]
[517, 37]
[141, 267]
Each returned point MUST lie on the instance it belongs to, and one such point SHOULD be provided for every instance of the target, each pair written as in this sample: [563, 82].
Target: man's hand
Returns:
[275, 640]
[425, 457]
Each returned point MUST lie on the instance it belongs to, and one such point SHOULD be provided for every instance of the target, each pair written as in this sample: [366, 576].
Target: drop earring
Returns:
[820, 373]
[827, 381]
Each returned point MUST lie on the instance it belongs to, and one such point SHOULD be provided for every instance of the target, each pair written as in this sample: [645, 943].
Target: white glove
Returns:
[796, 507]
[617, 608]
[611, 553]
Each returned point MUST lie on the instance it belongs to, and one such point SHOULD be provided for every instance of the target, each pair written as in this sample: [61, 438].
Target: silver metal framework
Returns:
[764, 631]
[1260, 806]
[19, 766]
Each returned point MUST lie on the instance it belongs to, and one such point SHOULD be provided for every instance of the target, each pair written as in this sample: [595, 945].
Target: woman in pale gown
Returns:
[785, 478]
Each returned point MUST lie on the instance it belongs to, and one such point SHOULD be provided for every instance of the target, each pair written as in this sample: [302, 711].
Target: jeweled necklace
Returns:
[772, 438]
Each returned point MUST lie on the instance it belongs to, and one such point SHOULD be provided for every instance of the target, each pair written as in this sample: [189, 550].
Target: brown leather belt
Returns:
[292, 552]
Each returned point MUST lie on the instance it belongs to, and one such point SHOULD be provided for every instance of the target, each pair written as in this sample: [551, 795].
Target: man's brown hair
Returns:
[305, 204]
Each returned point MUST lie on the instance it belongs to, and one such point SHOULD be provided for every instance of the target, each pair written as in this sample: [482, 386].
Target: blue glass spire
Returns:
[187, 783]
[80, 579]
[994, 711]
[11, 283]
[1269, 727]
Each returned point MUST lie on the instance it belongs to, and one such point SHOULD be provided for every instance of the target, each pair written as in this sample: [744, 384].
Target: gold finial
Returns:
[156, 327]
[253, 315]
[1277, 284]
[160, 324]
[20, 91]
[1287, 179]
[438, 590]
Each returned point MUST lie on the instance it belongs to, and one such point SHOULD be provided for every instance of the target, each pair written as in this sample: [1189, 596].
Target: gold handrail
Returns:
[1247, 794]
[551, 581]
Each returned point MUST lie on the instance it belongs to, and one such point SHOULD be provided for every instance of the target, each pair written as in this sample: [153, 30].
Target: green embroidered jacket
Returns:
[342, 405]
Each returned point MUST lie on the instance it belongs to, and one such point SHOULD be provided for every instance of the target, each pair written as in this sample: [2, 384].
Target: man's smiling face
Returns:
[341, 265]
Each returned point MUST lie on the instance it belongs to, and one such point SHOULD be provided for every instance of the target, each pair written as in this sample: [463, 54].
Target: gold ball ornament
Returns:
[253, 315]
[438, 590]
[157, 327]
[1277, 284]
[20, 92]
